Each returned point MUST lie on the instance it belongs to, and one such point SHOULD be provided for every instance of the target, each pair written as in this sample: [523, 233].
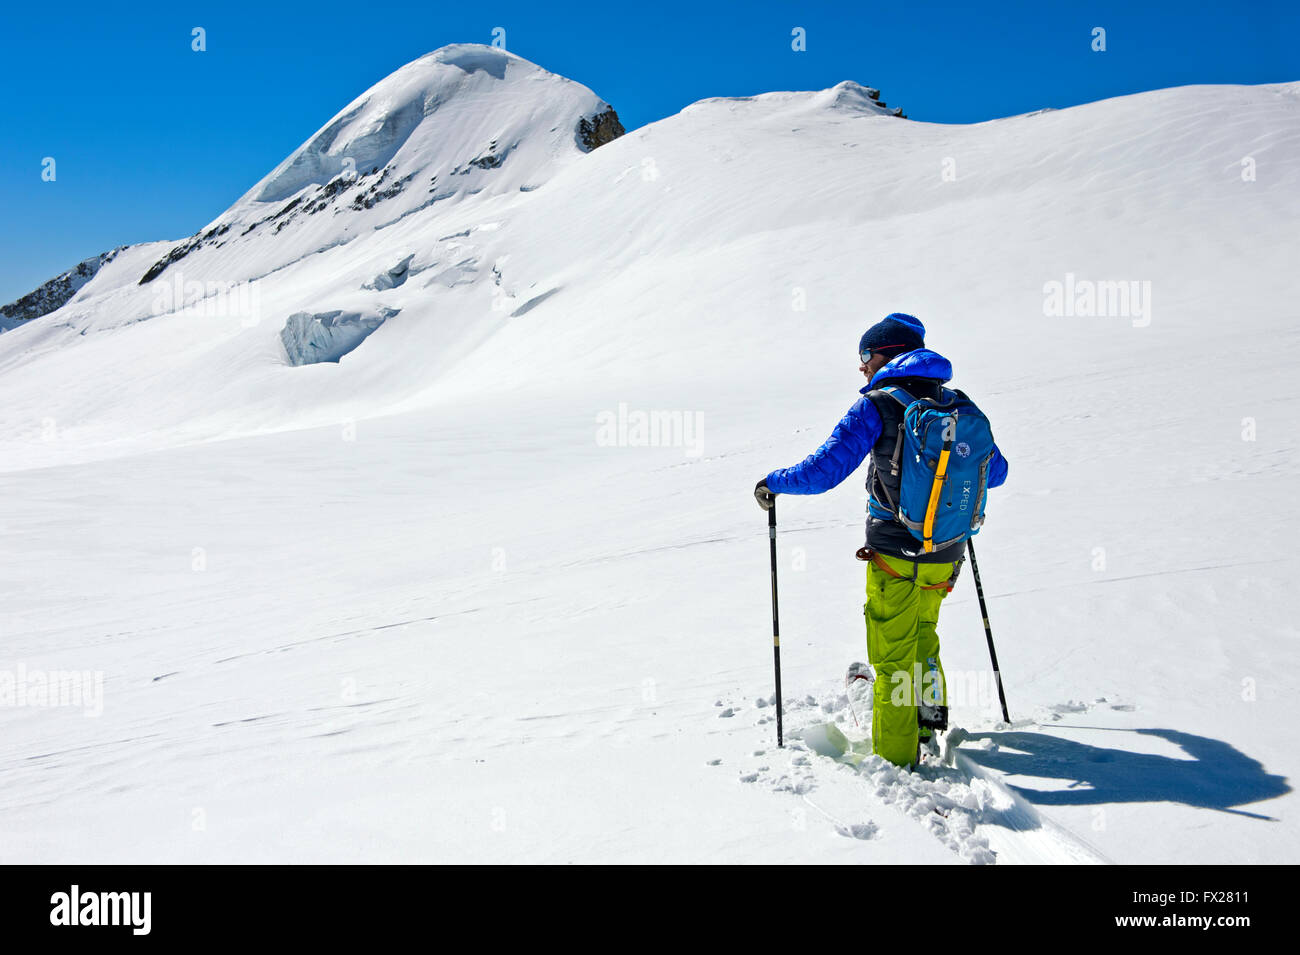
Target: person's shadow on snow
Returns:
[1217, 776]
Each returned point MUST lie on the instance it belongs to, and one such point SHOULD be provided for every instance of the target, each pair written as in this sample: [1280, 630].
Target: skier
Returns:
[906, 580]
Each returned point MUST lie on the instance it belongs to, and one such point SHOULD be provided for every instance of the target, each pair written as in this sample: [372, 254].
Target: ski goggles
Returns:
[867, 353]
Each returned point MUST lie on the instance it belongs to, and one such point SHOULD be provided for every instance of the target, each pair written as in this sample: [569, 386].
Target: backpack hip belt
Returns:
[871, 555]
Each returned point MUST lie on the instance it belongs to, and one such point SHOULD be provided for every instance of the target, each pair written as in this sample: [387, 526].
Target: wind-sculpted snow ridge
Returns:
[846, 96]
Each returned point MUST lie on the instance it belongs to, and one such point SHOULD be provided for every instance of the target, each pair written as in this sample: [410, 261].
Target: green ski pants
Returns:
[903, 647]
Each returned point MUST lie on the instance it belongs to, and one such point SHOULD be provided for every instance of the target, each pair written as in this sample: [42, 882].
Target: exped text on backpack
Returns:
[942, 462]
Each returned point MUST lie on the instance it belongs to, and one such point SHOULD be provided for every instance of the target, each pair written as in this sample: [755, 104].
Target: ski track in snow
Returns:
[966, 808]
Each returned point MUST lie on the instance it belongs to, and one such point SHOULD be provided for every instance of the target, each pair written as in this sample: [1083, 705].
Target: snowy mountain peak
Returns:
[851, 95]
[460, 97]
[464, 120]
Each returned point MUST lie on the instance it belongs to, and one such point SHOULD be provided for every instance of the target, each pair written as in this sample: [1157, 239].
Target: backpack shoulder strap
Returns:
[898, 394]
[904, 399]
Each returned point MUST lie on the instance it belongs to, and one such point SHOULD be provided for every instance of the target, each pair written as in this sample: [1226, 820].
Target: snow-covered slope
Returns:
[53, 294]
[428, 603]
[371, 201]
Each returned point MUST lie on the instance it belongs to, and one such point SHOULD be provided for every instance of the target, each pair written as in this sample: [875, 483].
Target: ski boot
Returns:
[859, 687]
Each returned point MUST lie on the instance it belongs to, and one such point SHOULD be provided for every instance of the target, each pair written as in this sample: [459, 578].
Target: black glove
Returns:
[766, 499]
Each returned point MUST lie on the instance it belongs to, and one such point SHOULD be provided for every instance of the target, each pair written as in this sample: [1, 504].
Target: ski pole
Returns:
[988, 630]
[776, 630]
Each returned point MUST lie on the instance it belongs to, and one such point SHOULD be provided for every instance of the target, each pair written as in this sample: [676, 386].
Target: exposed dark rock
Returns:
[595, 131]
[375, 195]
[325, 194]
[490, 159]
[55, 293]
[287, 208]
[849, 93]
[874, 95]
[175, 255]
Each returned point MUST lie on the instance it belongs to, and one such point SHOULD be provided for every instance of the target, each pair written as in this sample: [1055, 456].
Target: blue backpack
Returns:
[944, 450]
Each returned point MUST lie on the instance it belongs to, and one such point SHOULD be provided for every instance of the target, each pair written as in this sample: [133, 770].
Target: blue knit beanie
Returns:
[898, 333]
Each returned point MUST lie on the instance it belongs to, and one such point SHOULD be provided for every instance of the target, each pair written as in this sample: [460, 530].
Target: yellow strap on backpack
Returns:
[940, 475]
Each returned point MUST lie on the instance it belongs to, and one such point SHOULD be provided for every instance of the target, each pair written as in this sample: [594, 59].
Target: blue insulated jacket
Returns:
[853, 438]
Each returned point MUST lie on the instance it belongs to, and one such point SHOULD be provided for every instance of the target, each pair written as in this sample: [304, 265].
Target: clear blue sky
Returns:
[153, 140]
